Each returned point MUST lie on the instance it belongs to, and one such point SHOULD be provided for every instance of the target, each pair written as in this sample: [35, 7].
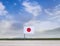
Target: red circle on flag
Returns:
[28, 29]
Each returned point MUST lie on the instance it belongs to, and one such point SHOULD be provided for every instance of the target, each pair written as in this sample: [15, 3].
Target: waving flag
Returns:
[28, 30]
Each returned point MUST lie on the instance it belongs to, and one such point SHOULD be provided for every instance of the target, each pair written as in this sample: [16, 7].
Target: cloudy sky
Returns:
[44, 15]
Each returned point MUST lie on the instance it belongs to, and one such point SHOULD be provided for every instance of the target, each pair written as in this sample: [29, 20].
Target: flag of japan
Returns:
[28, 30]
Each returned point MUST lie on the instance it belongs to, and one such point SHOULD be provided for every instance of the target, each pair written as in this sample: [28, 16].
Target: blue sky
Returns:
[14, 14]
[12, 8]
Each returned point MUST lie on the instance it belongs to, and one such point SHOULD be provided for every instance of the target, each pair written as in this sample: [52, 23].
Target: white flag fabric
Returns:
[28, 30]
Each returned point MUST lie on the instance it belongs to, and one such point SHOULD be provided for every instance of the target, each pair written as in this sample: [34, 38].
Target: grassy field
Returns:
[29, 38]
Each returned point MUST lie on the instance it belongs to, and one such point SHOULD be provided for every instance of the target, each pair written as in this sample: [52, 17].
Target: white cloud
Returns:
[7, 31]
[54, 14]
[48, 13]
[41, 26]
[32, 7]
[46, 25]
[5, 25]
[2, 9]
[6, 28]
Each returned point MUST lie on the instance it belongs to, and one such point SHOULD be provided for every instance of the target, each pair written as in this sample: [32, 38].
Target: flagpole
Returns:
[24, 36]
